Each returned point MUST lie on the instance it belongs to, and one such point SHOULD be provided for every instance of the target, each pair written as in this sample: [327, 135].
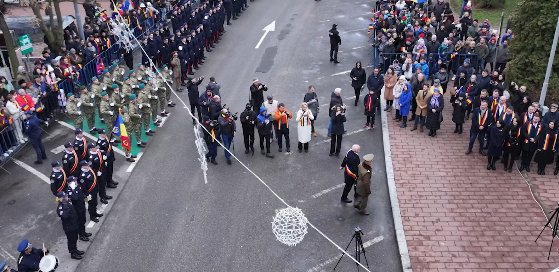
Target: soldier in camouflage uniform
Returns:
[73, 110]
[135, 123]
[106, 111]
[154, 102]
[145, 107]
[141, 73]
[118, 74]
[128, 124]
[88, 108]
[96, 89]
[126, 89]
[161, 95]
[167, 73]
[133, 81]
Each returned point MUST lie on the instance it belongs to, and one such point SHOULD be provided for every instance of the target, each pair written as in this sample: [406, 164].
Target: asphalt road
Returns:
[167, 219]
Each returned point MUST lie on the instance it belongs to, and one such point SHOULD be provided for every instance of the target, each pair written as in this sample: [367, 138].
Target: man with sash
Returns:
[507, 116]
[88, 181]
[528, 115]
[58, 178]
[97, 163]
[531, 132]
[350, 165]
[80, 144]
[105, 146]
[481, 120]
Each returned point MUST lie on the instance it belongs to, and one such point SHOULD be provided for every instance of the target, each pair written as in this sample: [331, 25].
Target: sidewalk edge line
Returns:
[392, 191]
[88, 135]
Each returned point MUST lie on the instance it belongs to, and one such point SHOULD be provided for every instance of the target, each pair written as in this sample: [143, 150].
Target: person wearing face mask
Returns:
[106, 148]
[547, 147]
[370, 102]
[460, 106]
[481, 120]
[77, 196]
[248, 122]
[358, 77]
[69, 217]
[497, 135]
[88, 181]
[58, 178]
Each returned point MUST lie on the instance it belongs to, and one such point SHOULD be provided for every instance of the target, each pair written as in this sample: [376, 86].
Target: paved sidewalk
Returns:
[458, 216]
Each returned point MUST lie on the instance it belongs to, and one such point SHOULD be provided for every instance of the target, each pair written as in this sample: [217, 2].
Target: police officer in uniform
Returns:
[58, 178]
[70, 224]
[77, 196]
[29, 257]
[248, 122]
[80, 144]
[88, 181]
[70, 160]
[107, 149]
[335, 41]
[96, 161]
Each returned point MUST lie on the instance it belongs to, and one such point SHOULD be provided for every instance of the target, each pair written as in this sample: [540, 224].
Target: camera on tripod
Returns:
[358, 230]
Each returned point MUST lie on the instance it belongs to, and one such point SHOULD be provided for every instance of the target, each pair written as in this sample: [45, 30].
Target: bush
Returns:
[489, 3]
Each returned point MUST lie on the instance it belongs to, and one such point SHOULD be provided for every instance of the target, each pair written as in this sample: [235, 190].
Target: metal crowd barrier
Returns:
[11, 139]
[452, 60]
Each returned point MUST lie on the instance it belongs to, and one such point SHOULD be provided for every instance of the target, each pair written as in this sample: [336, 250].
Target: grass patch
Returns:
[494, 15]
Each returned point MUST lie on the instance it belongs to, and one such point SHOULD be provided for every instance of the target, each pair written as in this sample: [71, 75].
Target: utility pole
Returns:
[549, 64]
[78, 19]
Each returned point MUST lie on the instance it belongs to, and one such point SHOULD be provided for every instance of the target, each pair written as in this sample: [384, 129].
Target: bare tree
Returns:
[10, 44]
[54, 32]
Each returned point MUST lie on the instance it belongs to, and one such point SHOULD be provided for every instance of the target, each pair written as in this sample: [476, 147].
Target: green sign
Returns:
[25, 44]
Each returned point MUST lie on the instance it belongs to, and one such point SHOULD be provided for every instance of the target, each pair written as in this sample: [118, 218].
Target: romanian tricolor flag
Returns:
[119, 130]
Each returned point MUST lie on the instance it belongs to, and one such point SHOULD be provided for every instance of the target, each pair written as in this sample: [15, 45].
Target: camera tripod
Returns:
[359, 248]
[554, 228]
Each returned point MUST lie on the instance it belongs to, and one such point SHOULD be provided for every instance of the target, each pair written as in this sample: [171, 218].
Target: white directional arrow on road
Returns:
[268, 28]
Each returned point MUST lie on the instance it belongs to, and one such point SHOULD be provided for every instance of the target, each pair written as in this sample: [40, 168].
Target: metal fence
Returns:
[11, 137]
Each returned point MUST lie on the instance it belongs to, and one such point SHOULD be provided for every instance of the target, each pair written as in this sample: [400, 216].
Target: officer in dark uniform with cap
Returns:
[107, 149]
[29, 257]
[70, 224]
[58, 178]
[70, 160]
[80, 144]
[96, 160]
[77, 196]
[88, 180]
[335, 41]
[248, 122]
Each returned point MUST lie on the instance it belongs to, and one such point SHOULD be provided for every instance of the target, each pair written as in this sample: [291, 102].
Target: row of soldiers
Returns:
[85, 173]
[140, 97]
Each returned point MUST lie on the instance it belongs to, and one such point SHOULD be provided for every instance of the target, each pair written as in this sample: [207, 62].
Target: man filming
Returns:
[227, 127]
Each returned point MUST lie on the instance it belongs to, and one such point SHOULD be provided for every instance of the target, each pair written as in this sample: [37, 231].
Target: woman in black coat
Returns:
[358, 78]
[459, 106]
[497, 135]
[547, 146]
[370, 102]
[338, 119]
[434, 113]
[512, 147]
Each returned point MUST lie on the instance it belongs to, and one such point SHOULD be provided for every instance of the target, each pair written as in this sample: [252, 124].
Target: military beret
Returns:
[83, 163]
[70, 94]
[141, 86]
[131, 96]
[23, 245]
[68, 144]
[78, 131]
[93, 78]
[101, 131]
[126, 78]
[91, 145]
[103, 93]
[114, 86]
[55, 164]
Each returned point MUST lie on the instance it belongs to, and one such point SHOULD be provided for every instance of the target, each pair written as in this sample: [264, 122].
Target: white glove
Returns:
[148, 105]
[114, 78]
[79, 104]
[92, 96]
[155, 97]
[170, 72]
[140, 106]
[134, 86]
[104, 88]
[149, 96]
[111, 112]
[99, 173]
[104, 157]
[89, 198]
[122, 72]
[79, 113]
[112, 104]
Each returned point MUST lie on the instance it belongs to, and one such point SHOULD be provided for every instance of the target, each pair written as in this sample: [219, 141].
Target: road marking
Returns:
[132, 165]
[325, 191]
[86, 134]
[268, 28]
[58, 149]
[359, 47]
[324, 21]
[335, 259]
[345, 134]
[32, 170]
[101, 210]
[164, 119]
[341, 73]
[353, 30]
[6, 253]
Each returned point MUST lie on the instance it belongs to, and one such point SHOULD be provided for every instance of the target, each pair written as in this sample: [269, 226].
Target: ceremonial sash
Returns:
[75, 162]
[25, 106]
[302, 121]
[63, 182]
[84, 147]
[94, 181]
[349, 173]
[100, 160]
[483, 118]
[529, 130]
[546, 143]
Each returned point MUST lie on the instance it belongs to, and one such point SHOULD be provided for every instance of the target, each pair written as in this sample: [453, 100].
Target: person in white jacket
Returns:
[16, 112]
[397, 91]
[304, 130]
[271, 106]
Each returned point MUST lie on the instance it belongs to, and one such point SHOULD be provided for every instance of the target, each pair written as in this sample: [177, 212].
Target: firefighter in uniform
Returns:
[58, 178]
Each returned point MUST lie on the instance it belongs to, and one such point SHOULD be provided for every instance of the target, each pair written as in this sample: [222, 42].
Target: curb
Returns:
[396, 215]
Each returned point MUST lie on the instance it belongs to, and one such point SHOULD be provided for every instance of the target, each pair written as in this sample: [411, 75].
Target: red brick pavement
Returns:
[458, 216]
